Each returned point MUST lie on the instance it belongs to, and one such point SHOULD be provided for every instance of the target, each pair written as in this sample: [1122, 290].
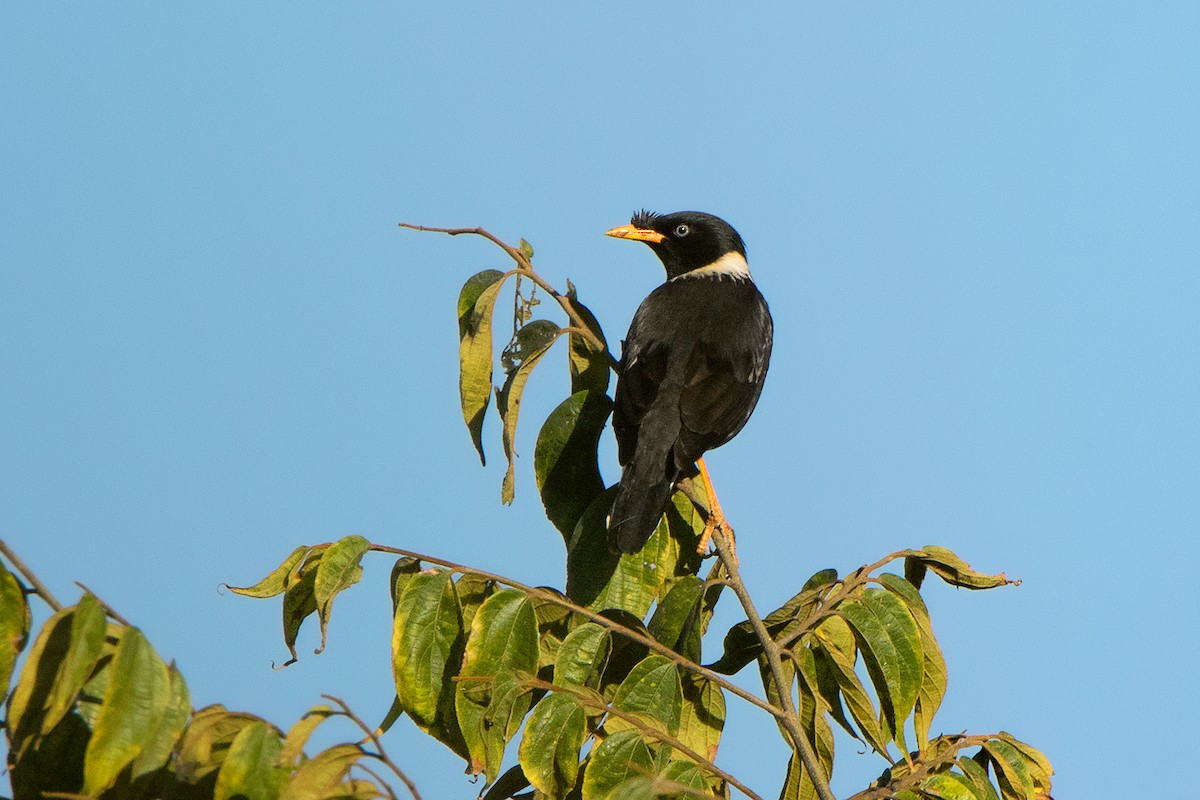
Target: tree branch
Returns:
[525, 269]
[381, 754]
[789, 718]
[30, 577]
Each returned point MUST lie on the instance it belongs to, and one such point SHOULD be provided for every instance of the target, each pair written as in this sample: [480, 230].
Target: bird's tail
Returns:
[637, 509]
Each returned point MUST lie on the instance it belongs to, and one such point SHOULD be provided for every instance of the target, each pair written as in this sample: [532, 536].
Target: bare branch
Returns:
[30, 578]
[381, 754]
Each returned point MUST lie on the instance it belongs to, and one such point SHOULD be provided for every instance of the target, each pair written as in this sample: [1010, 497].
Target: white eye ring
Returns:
[682, 230]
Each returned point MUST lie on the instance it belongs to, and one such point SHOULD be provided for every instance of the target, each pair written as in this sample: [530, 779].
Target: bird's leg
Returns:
[716, 519]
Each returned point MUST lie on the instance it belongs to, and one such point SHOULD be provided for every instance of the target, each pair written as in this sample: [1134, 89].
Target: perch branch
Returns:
[30, 577]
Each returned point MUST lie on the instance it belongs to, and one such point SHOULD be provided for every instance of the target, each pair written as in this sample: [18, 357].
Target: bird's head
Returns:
[689, 242]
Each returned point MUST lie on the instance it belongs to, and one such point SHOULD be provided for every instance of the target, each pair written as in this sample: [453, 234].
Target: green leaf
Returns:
[564, 460]
[511, 698]
[590, 365]
[250, 769]
[168, 727]
[1012, 770]
[476, 302]
[890, 643]
[619, 757]
[503, 639]
[840, 654]
[599, 579]
[702, 717]
[531, 343]
[277, 581]
[27, 705]
[950, 568]
[299, 598]
[676, 620]
[292, 752]
[339, 569]
[15, 622]
[138, 694]
[526, 250]
[549, 751]
[933, 667]
[979, 778]
[741, 642]
[949, 786]
[88, 625]
[582, 656]
[426, 652]
[687, 775]
[472, 590]
[652, 691]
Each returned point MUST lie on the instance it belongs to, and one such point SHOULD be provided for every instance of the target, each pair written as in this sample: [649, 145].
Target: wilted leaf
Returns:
[564, 460]
[27, 705]
[299, 598]
[531, 342]
[138, 694]
[503, 639]
[619, 757]
[891, 646]
[472, 590]
[676, 619]
[206, 740]
[950, 568]
[652, 691]
[549, 751]
[277, 581]
[582, 656]
[476, 302]
[402, 571]
[339, 569]
[250, 770]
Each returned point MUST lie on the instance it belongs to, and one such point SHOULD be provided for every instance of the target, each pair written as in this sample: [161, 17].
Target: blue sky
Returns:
[975, 224]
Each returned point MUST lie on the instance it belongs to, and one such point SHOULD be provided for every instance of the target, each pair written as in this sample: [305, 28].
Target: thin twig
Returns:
[943, 750]
[790, 719]
[112, 612]
[633, 719]
[599, 619]
[30, 578]
[525, 269]
[374, 737]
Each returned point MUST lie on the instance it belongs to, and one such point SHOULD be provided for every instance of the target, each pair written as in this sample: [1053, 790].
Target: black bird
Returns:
[692, 367]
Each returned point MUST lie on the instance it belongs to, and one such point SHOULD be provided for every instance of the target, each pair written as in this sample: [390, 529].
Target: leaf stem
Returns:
[29, 576]
[789, 718]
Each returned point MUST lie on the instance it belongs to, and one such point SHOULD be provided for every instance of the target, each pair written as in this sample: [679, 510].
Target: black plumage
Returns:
[692, 366]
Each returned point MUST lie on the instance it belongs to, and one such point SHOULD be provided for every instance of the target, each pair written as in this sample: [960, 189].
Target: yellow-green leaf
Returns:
[15, 621]
[292, 751]
[549, 751]
[275, 582]
[250, 770]
[652, 691]
[676, 620]
[316, 777]
[950, 568]
[702, 717]
[88, 625]
[338, 569]
[299, 598]
[160, 741]
[619, 757]
[891, 646]
[1012, 771]
[582, 656]
[138, 694]
[476, 302]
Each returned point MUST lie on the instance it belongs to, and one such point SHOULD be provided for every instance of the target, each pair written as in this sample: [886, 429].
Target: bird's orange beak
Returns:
[639, 234]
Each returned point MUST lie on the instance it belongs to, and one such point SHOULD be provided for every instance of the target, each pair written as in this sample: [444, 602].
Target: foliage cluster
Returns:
[599, 690]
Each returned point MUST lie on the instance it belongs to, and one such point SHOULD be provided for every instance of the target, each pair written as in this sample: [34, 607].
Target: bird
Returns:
[691, 371]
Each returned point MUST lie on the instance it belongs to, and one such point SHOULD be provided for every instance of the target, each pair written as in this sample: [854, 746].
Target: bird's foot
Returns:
[712, 524]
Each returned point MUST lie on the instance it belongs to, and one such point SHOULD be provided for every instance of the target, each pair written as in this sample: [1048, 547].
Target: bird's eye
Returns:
[682, 230]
